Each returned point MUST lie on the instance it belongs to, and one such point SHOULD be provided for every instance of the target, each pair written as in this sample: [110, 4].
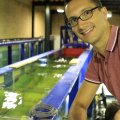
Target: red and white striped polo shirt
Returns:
[107, 69]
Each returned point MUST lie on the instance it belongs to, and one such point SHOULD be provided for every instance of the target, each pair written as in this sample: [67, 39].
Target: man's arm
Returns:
[84, 97]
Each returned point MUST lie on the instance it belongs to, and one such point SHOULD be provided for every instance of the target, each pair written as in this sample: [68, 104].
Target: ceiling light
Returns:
[109, 14]
[60, 10]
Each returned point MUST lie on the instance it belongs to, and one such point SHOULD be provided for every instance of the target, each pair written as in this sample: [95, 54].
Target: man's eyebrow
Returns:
[88, 8]
[83, 10]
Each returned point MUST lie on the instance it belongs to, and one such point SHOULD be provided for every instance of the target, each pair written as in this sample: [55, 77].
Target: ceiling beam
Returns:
[51, 3]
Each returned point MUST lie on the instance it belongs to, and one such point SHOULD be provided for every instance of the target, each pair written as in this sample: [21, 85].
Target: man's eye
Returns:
[74, 19]
[86, 12]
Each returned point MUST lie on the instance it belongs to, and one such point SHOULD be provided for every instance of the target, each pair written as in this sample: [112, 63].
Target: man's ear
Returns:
[104, 11]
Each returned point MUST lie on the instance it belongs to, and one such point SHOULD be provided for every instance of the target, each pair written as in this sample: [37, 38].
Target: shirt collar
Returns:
[112, 38]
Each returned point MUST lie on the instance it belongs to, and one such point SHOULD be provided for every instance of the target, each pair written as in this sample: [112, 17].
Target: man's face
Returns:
[117, 116]
[89, 30]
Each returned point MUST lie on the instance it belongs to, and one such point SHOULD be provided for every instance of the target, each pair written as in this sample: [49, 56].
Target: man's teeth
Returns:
[86, 31]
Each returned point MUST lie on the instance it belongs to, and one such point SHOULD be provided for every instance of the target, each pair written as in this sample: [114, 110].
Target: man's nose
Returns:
[80, 22]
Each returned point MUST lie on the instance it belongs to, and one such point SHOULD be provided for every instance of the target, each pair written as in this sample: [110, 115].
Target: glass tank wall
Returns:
[26, 49]
[3, 56]
[15, 53]
[11, 52]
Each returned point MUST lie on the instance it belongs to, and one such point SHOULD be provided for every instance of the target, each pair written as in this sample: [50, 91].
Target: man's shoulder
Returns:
[119, 30]
[119, 34]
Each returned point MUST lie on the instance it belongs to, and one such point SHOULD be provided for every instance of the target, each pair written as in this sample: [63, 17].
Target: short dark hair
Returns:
[111, 110]
[97, 2]
[66, 1]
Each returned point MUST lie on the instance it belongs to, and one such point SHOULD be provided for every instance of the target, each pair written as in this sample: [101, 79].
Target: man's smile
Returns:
[87, 30]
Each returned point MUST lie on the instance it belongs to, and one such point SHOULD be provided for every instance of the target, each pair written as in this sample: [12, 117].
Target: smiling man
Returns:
[88, 20]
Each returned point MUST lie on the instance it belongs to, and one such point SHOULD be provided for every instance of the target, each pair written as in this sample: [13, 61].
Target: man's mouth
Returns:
[87, 30]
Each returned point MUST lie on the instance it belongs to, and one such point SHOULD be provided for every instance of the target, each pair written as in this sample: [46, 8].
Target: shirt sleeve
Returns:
[92, 74]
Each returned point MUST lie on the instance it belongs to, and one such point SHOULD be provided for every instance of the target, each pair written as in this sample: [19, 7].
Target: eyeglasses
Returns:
[73, 21]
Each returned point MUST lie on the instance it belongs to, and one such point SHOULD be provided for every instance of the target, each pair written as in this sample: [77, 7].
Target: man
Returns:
[112, 111]
[88, 20]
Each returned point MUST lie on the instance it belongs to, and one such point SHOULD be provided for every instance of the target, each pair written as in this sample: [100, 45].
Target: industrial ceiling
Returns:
[112, 5]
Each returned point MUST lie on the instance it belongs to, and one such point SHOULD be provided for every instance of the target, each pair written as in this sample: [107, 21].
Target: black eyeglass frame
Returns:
[77, 18]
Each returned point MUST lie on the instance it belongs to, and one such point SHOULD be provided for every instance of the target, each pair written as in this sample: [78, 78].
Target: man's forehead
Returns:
[78, 4]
